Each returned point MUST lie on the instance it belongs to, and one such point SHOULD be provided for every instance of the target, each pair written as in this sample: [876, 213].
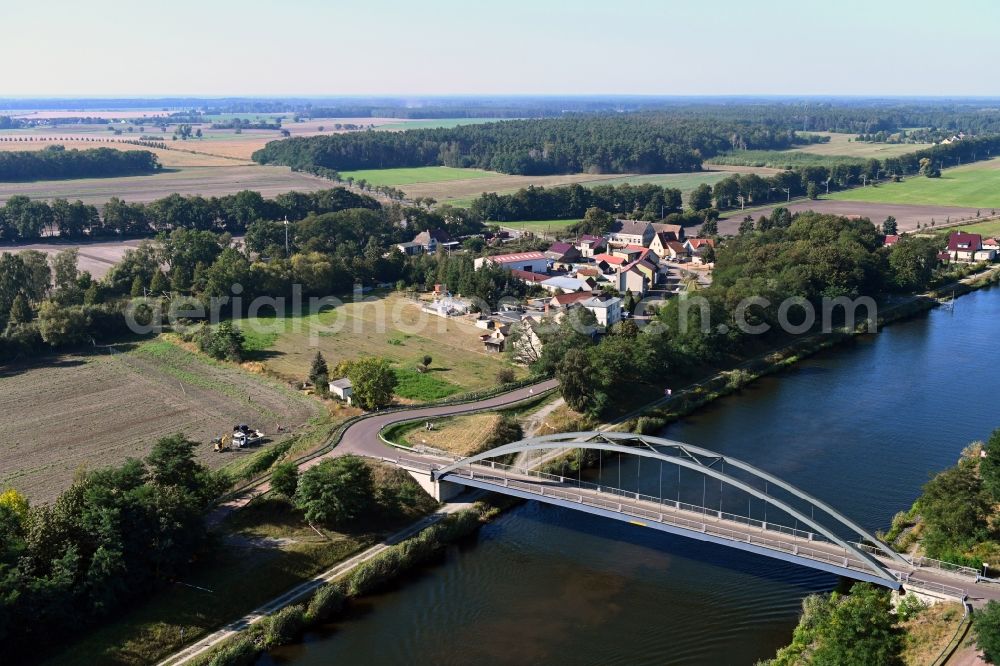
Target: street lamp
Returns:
[286, 237]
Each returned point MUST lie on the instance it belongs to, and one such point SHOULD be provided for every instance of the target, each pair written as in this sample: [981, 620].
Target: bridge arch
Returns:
[702, 461]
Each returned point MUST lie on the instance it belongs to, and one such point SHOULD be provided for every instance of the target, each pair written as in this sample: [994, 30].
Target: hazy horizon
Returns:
[308, 48]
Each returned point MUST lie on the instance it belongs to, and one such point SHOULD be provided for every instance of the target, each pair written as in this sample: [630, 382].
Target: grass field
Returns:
[542, 227]
[409, 176]
[974, 185]
[989, 229]
[93, 410]
[204, 180]
[392, 326]
[840, 148]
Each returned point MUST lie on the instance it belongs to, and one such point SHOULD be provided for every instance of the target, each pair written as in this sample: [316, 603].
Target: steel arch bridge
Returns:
[822, 546]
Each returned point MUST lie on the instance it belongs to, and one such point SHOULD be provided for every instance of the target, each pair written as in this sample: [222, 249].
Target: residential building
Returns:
[628, 252]
[699, 249]
[563, 253]
[969, 248]
[608, 311]
[589, 245]
[890, 240]
[429, 240]
[564, 300]
[631, 232]
[496, 340]
[636, 278]
[532, 262]
[672, 231]
[608, 263]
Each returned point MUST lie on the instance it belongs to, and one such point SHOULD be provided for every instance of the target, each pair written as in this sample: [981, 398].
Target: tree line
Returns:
[572, 201]
[634, 143]
[55, 162]
[116, 535]
[23, 219]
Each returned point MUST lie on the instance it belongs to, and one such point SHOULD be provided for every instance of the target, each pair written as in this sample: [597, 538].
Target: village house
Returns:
[890, 240]
[631, 232]
[562, 253]
[609, 263]
[495, 341]
[666, 247]
[589, 245]
[991, 244]
[531, 262]
[560, 302]
[608, 311]
[968, 248]
[342, 389]
[699, 249]
[671, 231]
[636, 277]
[629, 252]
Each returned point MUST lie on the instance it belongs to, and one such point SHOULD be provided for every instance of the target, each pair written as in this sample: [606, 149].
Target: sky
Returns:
[470, 47]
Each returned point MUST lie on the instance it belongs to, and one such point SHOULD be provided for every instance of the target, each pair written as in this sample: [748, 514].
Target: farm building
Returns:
[566, 284]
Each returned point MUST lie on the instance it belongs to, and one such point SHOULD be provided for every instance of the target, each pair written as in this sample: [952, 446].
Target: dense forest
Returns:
[639, 143]
[23, 219]
[55, 162]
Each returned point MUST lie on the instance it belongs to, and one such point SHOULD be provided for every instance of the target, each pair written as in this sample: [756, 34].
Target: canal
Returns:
[861, 427]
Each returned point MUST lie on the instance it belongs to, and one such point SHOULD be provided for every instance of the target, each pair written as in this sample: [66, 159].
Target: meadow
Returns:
[90, 410]
[390, 325]
[840, 149]
[409, 176]
[436, 123]
[974, 185]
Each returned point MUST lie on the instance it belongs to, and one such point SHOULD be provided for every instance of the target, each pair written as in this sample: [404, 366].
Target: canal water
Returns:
[861, 427]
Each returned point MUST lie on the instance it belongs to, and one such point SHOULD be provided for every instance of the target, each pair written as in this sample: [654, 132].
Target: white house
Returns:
[607, 310]
[342, 389]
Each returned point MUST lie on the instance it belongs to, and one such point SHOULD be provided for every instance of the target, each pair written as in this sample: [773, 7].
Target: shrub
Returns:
[284, 626]
[327, 602]
[241, 651]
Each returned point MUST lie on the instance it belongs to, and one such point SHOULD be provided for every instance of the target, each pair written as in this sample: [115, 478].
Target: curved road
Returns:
[361, 438]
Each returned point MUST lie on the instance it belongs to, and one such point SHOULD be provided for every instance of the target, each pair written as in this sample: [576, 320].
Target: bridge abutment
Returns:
[442, 491]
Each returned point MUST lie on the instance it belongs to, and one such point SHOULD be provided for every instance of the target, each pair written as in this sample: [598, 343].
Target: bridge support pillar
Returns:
[442, 491]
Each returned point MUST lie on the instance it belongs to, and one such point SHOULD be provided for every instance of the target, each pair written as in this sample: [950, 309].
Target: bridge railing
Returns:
[930, 563]
[676, 504]
[840, 558]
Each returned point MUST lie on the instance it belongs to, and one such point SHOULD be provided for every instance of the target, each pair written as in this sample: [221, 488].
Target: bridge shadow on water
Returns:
[690, 554]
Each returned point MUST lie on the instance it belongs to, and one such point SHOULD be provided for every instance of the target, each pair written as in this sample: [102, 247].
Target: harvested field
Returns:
[416, 175]
[843, 145]
[96, 258]
[392, 326]
[93, 410]
[180, 157]
[206, 181]
[907, 216]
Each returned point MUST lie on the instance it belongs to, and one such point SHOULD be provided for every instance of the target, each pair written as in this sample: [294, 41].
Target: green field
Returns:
[436, 123]
[989, 229]
[975, 186]
[839, 149]
[409, 176]
[541, 227]
[389, 325]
